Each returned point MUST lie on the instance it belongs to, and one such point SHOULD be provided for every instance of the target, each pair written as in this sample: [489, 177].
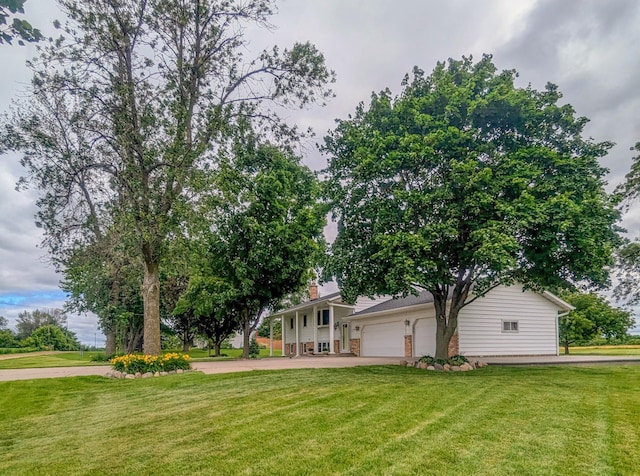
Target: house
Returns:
[506, 321]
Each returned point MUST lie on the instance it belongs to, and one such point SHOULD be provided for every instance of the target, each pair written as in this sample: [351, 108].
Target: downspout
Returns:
[560, 314]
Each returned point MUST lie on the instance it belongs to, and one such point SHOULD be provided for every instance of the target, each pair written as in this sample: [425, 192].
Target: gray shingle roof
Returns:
[303, 305]
[423, 297]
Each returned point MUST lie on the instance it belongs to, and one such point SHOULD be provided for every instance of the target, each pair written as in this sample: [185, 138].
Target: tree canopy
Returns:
[11, 26]
[135, 105]
[464, 182]
[592, 317]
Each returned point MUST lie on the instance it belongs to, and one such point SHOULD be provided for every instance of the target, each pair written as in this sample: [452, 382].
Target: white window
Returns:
[323, 347]
[509, 326]
[323, 318]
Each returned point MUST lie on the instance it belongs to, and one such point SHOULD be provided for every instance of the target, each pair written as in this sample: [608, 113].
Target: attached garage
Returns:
[382, 340]
[425, 337]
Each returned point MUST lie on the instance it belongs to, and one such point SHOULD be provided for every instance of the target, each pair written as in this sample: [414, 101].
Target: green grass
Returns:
[359, 421]
[60, 359]
[73, 359]
[604, 350]
[228, 354]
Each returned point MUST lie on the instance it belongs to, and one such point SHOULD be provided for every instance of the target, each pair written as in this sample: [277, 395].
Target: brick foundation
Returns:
[336, 346]
[354, 345]
[408, 346]
[454, 345]
[308, 348]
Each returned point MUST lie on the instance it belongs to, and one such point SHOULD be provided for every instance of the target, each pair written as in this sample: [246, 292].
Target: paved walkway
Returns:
[229, 366]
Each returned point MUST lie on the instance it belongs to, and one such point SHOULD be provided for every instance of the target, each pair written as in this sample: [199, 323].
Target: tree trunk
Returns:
[246, 337]
[566, 348]
[218, 346]
[186, 342]
[110, 344]
[151, 299]
[445, 326]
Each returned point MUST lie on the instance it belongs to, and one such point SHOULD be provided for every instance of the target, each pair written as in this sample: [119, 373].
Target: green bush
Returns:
[453, 360]
[254, 348]
[20, 350]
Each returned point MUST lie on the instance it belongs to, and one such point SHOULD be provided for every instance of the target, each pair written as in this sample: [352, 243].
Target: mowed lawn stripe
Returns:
[374, 420]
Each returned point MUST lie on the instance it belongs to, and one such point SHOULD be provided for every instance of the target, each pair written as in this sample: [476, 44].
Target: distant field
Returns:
[605, 350]
[359, 421]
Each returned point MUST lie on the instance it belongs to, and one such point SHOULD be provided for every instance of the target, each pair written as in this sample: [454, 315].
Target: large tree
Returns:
[592, 317]
[628, 256]
[135, 105]
[464, 182]
[268, 236]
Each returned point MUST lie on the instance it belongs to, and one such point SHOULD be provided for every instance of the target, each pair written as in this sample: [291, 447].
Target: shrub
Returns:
[453, 360]
[143, 363]
[254, 348]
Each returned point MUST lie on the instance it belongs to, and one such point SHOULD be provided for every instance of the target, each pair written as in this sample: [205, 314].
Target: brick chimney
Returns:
[313, 291]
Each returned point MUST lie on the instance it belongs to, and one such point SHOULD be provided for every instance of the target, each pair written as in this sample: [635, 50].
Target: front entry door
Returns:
[345, 338]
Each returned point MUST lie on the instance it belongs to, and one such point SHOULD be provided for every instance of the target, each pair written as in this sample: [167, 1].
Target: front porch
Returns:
[315, 327]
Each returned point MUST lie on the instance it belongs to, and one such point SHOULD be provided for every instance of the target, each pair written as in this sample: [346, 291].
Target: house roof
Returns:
[307, 304]
[425, 297]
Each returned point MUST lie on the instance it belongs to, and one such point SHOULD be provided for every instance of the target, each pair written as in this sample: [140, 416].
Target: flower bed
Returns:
[144, 363]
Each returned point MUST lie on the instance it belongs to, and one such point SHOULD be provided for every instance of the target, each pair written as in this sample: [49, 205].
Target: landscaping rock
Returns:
[403, 363]
[179, 371]
[138, 375]
[157, 374]
[162, 374]
[446, 367]
[116, 374]
[423, 365]
[171, 372]
[455, 368]
[431, 367]
[466, 367]
[438, 366]
[147, 375]
[129, 376]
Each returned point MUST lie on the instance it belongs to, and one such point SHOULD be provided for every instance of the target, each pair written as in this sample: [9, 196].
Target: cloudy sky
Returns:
[589, 48]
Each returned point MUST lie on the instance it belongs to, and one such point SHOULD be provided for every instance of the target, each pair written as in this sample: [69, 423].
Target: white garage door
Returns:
[382, 340]
[425, 332]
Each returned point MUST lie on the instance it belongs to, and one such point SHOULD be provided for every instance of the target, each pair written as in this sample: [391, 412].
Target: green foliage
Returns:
[453, 360]
[264, 329]
[593, 317]
[464, 182]
[28, 322]
[131, 112]
[18, 28]
[254, 348]
[8, 339]
[17, 350]
[51, 337]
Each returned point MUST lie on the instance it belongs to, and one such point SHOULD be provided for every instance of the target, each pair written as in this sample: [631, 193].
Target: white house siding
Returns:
[480, 324]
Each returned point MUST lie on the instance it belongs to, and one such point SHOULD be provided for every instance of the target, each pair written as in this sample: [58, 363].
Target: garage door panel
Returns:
[425, 337]
[382, 340]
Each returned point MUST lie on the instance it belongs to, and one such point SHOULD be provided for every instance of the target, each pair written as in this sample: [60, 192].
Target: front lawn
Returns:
[358, 421]
[604, 350]
[58, 359]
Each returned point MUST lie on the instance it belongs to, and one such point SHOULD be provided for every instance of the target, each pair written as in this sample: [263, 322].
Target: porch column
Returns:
[331, 349]
[284, 336]
[270, 337]
[315, 328]
[297, 337]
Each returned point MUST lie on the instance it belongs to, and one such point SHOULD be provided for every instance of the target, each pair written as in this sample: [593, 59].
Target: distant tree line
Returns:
[39, 330]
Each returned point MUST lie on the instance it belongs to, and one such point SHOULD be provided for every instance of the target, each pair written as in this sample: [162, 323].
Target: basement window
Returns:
[509, 326]
[323, 347]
